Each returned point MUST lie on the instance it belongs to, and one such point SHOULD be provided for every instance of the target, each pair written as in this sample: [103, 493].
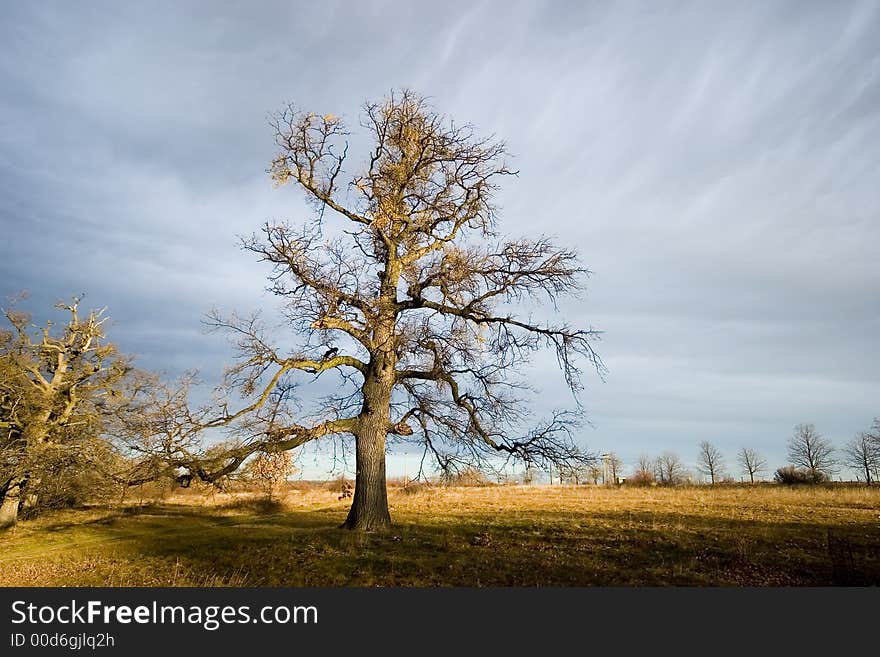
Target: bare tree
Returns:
[611, 468]
[751, 462]
[56, 389]
[416, 292]
[576, 473]
[616, 465]
[862, 454]
[669, 469]
[710, 461]
[594, 474]
[808, 449]
[643, 473]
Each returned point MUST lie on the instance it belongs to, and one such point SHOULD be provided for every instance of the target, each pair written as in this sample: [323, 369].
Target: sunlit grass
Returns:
[480, 536]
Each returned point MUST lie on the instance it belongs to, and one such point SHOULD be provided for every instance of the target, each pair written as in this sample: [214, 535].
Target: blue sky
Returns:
[716, 165]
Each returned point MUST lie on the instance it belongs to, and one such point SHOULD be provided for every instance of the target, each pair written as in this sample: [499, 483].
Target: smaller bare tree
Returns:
[862, 454]
[808, 449]
[575, 474]
[643, 473]
[710, 461]
[616, 467]
[669, 469]
[751, 462]
[611, 468]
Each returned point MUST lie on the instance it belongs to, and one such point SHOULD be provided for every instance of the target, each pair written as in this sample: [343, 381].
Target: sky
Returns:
[716, 165]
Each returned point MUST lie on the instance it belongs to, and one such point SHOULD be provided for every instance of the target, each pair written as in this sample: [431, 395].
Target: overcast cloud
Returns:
[716, 164]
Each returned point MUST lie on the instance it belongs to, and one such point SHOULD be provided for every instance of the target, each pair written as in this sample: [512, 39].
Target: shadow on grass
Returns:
[525, 548]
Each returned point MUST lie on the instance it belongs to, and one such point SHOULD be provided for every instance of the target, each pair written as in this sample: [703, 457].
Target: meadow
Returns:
[762, 535]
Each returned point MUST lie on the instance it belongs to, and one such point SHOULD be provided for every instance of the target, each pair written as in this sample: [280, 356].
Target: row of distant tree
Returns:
[812, 459]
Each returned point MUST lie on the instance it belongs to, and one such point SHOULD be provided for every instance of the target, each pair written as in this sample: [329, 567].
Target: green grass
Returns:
[492, 536]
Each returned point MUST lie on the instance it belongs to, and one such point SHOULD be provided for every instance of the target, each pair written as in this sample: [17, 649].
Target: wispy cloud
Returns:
[716, 165]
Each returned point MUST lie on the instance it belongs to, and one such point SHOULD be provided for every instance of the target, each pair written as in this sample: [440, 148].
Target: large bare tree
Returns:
[808, 449]
[402, 288]
[56, 389]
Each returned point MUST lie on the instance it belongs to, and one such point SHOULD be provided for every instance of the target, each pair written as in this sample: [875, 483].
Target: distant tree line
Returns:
[812, 460]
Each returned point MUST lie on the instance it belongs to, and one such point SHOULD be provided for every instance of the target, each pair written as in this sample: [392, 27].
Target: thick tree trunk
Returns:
[369, 508]
[10, 505]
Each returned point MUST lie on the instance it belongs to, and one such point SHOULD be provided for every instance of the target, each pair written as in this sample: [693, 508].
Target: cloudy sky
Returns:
[716, 165]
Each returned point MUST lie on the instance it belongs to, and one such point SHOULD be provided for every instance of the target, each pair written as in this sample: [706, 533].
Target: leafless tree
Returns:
[710, 461]
[416, 291]
[56, 389]
[808, 449]
[669, 470]
[594, 474]
[862, 454]
[576, 473]
[643, 473]
[751, 462]
[612, 466]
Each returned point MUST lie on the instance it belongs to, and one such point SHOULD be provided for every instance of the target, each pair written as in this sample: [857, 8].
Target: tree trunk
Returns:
[752, 476]
[11, 503]
[369, 508]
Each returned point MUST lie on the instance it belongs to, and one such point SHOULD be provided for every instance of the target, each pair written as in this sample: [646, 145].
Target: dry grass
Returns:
[492, 536]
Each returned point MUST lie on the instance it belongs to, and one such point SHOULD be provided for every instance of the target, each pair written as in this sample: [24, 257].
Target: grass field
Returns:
[480, 536]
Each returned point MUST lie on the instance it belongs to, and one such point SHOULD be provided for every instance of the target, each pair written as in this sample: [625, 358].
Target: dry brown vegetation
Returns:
[763, 535]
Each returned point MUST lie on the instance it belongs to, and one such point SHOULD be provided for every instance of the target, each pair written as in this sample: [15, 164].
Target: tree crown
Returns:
[403, 275]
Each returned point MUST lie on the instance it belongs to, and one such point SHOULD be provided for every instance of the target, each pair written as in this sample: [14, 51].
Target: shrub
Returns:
[792, 475]
[641, 478]
[268, 470]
